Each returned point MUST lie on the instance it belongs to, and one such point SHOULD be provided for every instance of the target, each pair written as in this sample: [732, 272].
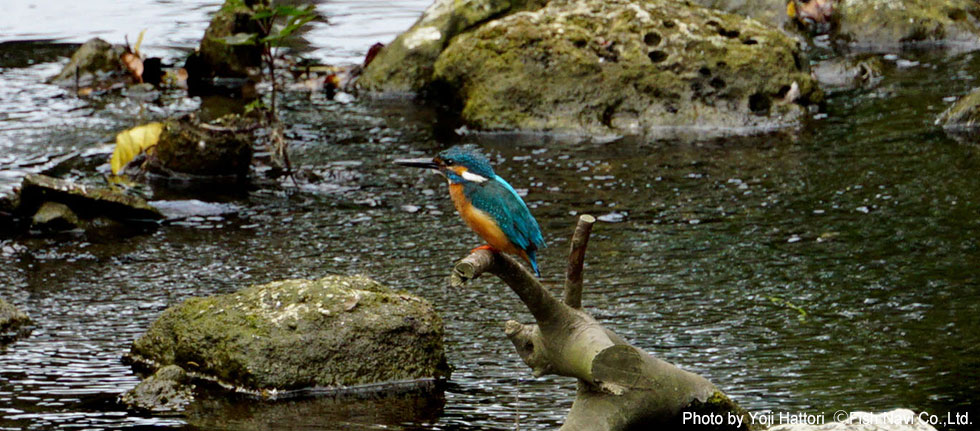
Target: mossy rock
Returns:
[190, 148]
[405, 65]
[167, 391]
[93, 58]
[215, 56]
[14, 324]
[878, 24]
[85, 202]
[848, 72]
[335, 332]
[962, 119]
[55, 216]
[771, 12]
[621, 67]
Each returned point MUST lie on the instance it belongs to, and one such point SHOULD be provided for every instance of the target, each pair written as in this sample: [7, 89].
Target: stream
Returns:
[833, 266]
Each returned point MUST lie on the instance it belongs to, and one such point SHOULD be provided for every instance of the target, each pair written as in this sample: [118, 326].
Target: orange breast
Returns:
[482, 223]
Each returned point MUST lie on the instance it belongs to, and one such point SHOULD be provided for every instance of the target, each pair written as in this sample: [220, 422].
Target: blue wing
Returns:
[497, 198]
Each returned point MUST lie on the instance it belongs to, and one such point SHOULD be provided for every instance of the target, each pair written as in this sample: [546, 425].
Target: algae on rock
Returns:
[85, 202]
[189, 146]
[877, 24]
[405, 65]
[14, 323]
[222, 58]
[961, 121]
[625, 67]
[93, 58]
[288, 335]
[167, 391]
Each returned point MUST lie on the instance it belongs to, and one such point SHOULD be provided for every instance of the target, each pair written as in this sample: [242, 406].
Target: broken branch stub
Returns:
[621, 387]
[576, 261]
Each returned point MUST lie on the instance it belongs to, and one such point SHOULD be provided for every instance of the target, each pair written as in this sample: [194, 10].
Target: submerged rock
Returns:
[965, 113]
[962, 119]
[14, 324]
[335, 332]
[169, 390]
[52, 200]
[405, 65]
[55, 216]
[895, 420]
[94, 58]
[623, 67]
[8, 219]
[840, 73]
[877, 24]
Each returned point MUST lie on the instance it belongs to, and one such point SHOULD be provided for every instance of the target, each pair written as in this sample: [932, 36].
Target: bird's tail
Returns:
[533, 260]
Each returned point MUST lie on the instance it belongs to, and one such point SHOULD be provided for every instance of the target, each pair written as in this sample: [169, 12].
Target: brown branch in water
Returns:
[576, 261]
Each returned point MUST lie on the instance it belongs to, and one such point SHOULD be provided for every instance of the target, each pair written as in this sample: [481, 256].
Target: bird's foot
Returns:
[485, 247]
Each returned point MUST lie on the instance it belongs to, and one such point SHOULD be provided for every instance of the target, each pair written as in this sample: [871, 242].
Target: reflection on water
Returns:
[866, 218]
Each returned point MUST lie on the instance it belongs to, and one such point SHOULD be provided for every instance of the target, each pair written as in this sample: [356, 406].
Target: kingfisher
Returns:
[487, 203]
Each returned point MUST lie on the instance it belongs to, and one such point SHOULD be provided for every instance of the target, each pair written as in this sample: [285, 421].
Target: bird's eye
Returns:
[449, 162]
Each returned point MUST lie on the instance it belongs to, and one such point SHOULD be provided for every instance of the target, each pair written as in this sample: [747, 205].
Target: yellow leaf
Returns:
[791, 9]
[131, 142]
[139, 41]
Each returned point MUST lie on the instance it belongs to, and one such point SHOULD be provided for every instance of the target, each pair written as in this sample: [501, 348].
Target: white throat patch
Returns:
[469, 176]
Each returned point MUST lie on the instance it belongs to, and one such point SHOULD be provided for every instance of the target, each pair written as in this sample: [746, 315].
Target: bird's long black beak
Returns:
[418, 163]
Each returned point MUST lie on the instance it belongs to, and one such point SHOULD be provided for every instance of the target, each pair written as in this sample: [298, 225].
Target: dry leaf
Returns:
[131, 142]
[134, 64]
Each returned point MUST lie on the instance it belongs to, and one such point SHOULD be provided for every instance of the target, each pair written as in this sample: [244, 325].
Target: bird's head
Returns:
[458, 164]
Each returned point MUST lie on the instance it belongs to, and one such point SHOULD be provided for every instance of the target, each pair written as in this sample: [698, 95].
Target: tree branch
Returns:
[620, 386]
[471, 267]
[539, 301]
[576, 261]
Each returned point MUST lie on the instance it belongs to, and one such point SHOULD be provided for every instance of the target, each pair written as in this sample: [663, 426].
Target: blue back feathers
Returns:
[497, 198]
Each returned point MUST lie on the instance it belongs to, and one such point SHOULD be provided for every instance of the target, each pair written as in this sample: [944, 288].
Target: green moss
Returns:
[221, 58]
[718, 404]
[86, 202]
[93, 57]
[188, 148]
[14, 324]
[293, 334]
[888, 23]
[405, 65]
[602, 67]
[964, 114]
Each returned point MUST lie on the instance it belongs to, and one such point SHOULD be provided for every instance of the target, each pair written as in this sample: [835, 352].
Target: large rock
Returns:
[877, 24]
[14, 323]
[333, 332]
[625, 67]
[405, 65]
